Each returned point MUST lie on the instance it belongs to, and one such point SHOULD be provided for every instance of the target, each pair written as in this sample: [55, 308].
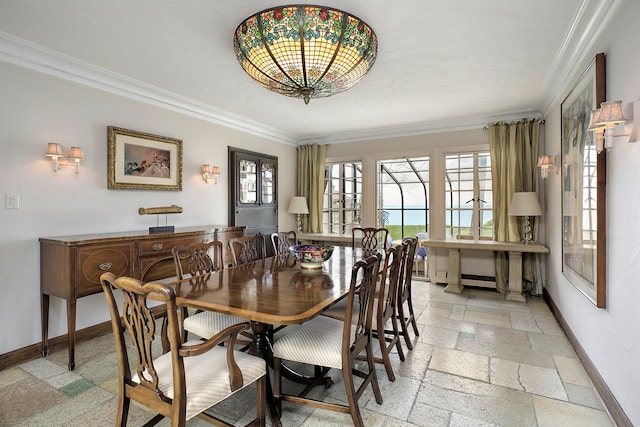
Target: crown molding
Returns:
[577, 49]
[458, 124]
[35, 57]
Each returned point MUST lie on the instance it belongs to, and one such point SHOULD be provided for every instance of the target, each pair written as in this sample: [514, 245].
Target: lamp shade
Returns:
[305, 51]
[525, 204]
[54, 150]
[76, 154]
[298, 205]
[611, 113]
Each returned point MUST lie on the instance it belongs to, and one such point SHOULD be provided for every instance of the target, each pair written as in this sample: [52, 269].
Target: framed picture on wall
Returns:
[584, 187]
[142, 161]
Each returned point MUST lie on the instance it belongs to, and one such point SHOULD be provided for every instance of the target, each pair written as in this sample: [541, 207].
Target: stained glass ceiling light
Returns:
[305, 51]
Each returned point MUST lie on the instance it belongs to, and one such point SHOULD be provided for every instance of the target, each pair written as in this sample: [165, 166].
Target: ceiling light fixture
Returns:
[305, 51]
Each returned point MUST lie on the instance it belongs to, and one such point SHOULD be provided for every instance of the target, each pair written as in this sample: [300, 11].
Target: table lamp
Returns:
[525, 204]
[298, 205]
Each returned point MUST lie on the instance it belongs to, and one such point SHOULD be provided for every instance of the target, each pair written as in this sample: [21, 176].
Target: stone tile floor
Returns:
[479, 361]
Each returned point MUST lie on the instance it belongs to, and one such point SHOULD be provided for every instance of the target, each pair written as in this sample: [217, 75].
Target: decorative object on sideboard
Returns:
[604, 120]
[54, 152]
[548, 163]
[525, 204]
[209, 171]
[298, 205]
[305, 51]
[173, 209]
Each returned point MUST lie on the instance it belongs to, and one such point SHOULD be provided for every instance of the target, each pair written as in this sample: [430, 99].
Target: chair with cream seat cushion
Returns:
[196, 262]
[190, 377]
[330, 343]
[384, 309]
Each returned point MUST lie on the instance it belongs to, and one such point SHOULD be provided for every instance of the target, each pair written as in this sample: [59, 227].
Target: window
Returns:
[403, 194]
[469, 199]
[342, 197]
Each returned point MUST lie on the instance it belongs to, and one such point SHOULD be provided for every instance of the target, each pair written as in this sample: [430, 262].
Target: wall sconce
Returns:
[208, 171]
[548, 164]
[54, 151]
[604, 120]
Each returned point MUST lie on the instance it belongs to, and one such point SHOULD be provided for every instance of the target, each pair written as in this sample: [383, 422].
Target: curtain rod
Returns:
[541, 121]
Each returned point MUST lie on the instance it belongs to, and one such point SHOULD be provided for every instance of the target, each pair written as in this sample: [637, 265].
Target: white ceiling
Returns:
[441, 64]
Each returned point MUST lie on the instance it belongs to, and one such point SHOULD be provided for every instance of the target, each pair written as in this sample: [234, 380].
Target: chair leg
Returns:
[372, 371]
[123, 409]
[352, 398]
[261, 401]
[382, 340]
[404, 327]
[412, 317]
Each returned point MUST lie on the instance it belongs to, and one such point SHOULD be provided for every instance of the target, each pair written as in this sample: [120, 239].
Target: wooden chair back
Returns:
[406, 314]
[247, 248]
[282, 240]
[372, 239]
[197, 259]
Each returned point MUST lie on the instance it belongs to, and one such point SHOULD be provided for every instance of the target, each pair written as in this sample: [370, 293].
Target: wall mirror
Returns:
[584, 187]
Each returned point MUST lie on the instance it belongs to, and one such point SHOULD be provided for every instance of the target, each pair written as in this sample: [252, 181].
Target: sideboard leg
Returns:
[44, 308]
[71, 331]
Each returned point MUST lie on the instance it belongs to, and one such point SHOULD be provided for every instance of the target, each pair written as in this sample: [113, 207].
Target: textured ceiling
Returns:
[441, 64]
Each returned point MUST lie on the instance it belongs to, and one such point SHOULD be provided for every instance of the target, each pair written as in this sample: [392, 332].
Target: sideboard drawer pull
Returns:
[105, 266]
[157, 246]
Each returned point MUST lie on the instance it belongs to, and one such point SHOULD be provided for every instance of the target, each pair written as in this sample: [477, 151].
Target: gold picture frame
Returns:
[143, 161]
[584, 187]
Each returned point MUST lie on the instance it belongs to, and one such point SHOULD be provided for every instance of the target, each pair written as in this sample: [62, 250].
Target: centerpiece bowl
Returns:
[311, 257]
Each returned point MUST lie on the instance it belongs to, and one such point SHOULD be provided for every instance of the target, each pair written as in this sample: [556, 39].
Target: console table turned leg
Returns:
[454, 285]
[515, 277]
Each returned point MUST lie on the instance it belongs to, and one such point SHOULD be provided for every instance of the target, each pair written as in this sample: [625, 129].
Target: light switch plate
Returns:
[12, 201]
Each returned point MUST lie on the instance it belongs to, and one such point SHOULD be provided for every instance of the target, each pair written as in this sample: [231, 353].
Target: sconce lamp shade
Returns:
[54, 150]
[611, 113]
[76, 154]
[525, 204]
[298, 205]
[215, 170]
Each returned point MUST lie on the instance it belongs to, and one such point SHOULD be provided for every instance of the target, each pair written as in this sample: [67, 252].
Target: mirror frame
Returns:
[584, 260]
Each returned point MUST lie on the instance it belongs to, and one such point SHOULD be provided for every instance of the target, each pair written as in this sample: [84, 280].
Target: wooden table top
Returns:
[274, 290]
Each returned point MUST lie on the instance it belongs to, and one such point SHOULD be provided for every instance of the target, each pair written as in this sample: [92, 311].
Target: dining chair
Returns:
[190, 377]
[196, 262]
[327, 343]
[247, 248]
[282, 240]
[384, 309]
[405, 312]
[372, 239]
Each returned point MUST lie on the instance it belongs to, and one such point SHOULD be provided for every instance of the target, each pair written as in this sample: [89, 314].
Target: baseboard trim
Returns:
[615, 410]
[34, 351]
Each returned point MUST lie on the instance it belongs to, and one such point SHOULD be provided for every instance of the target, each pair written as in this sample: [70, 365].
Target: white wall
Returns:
[610, 336]
[37, 109]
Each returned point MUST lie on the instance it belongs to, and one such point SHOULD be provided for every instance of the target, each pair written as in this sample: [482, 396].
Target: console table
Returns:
[71, 266]
[515, 251]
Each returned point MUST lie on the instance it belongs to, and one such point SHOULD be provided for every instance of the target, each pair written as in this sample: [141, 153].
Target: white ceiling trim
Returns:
[30, 55]
[591, 19]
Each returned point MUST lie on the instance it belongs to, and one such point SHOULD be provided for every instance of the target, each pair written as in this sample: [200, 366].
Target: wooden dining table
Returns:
[270, 292]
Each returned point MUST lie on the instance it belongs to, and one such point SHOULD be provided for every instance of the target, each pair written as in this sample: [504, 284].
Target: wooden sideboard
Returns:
[71, 266]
